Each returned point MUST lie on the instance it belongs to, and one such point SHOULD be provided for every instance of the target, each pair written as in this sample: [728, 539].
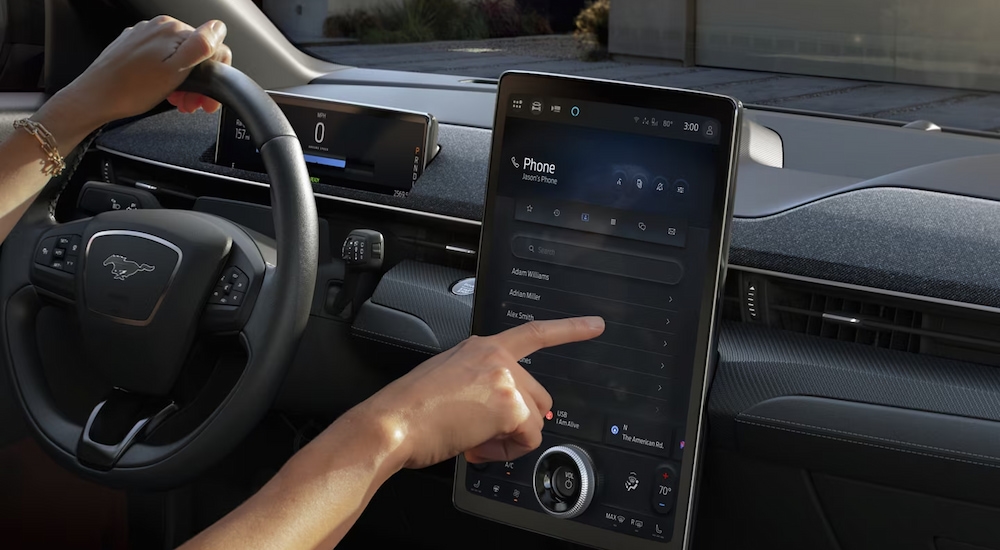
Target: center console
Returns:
[606, 199]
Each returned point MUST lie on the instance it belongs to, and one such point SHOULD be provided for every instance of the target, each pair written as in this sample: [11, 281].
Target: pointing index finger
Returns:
[530, 337]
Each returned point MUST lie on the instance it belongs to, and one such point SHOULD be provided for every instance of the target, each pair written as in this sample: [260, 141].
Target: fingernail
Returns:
[594, 323]
[219, 30]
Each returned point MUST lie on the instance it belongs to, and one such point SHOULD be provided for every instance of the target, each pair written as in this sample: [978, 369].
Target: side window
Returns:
[22, 45]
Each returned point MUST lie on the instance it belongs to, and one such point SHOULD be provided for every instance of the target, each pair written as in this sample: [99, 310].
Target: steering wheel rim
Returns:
[270, 331]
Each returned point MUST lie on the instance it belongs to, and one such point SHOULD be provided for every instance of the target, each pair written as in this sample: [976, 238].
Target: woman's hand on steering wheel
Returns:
[140, 69]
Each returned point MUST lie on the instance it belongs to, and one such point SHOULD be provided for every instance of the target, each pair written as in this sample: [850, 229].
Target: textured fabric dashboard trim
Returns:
[454, 184]
[902, 240]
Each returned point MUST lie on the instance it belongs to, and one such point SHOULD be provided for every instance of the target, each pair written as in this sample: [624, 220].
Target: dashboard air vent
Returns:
[867, 318]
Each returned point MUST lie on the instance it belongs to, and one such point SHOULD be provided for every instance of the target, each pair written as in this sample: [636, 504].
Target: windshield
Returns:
[901, 61]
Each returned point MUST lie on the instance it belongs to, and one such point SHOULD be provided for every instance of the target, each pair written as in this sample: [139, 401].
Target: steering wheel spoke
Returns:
[118, 422]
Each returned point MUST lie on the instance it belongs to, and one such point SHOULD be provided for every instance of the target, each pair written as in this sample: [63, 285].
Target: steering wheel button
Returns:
[59, 253]
[58, 264]
[226, 288]
[44, 253]
[217, 295]
[240, 286]
[63, 242]
[235, 298]
[69, 264]
[234, 276]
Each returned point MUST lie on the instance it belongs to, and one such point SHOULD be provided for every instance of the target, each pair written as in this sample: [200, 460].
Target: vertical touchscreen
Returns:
[618, 210]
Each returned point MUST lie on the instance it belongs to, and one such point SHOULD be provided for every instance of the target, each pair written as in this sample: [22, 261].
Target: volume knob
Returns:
[564, 481]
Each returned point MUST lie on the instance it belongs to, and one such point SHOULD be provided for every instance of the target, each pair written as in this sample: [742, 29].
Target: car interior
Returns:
[853, 404]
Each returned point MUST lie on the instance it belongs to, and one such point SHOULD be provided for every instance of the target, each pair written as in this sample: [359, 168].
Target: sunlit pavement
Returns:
[559, 54]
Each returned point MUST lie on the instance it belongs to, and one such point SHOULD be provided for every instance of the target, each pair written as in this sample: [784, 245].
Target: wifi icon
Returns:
[635, 118]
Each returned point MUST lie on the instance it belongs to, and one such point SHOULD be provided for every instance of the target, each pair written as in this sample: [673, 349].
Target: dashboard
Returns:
[451, 190]
[861, 301]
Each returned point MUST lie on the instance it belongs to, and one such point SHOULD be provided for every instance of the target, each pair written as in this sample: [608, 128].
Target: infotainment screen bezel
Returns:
[728, 112]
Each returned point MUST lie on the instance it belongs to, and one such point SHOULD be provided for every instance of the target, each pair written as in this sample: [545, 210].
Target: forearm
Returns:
[319, 494]
[22, 157]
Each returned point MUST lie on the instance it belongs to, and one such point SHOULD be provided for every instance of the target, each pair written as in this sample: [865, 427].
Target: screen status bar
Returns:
[622, 118]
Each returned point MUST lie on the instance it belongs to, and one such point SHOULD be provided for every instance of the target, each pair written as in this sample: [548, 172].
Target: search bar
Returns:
[646, 268]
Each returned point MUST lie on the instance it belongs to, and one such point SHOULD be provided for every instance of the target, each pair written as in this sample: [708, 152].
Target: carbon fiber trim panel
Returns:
[424, 291]
[757, 364]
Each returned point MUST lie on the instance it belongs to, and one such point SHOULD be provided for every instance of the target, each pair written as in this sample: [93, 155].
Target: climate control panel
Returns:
[594, 484]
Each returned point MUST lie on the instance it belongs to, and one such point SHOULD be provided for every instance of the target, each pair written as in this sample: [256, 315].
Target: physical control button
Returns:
[231, 289]
[235, 275]
[363, 248]
[664, 489]
[240, 285]
[217, 295]
[362, 253]
[97, 199]
[44, 253]
[59, 252]
[564, 481]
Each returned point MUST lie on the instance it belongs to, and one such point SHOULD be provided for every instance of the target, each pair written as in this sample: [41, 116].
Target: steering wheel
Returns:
[148, 287]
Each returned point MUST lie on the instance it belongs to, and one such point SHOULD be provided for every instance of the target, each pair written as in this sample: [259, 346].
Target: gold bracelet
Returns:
[54, 164]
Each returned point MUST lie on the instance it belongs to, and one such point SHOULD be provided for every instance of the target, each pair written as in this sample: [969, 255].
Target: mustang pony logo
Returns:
[122, 268]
